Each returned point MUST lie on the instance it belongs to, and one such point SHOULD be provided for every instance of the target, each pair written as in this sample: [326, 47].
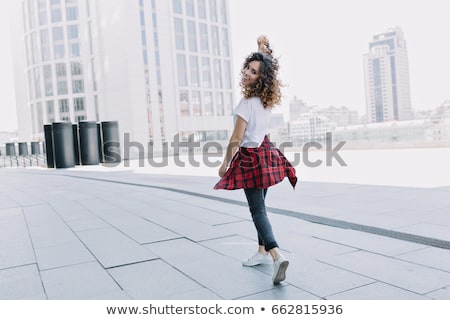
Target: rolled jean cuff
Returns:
[270, 246]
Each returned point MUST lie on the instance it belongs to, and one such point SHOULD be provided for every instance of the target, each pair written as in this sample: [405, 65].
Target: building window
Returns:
[63, 106]
[206, 73]
[72, 13]
[77, 86]
[201, 9]
[45, 45]
[60, 69]
[204, 43]
[226, 49]
[195, 78]
[50, 112]
[184, 103]
[177, 8]
[217, 74]
[228, 103]
[223, 11]
[213, 10]
[76, 68]
[48, 80]
[37, 82]
[62, 87]
[42, 4]
[196, 103]
[208, 106]
[227, 74]
[80, 118]
[192, 36]
[179, 34]
[78, 104]
[74, 50]
[72, 31]
[182, 71]
[56, 15]
[190, 10]
[219, 104]
[215, 40]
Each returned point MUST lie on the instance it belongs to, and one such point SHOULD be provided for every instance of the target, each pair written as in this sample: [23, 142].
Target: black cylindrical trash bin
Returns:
[35, 147]
[76, 143]
[23, 149]
[10, 149]
[111, 142]
[88, 143]
[63, 145]
[48, 146]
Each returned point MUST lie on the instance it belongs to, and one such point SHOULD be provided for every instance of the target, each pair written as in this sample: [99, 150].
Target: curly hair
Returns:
[268, 86]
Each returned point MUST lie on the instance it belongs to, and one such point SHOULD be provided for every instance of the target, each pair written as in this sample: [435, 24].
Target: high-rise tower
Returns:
[386, 73]
[159, 67]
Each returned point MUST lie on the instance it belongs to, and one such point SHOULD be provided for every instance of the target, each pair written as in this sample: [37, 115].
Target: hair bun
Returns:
[263, 45]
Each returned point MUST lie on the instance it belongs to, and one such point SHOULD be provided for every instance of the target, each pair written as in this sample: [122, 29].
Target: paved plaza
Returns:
[118, 234]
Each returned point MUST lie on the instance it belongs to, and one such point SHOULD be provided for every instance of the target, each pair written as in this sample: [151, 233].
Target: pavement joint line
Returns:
[409, 237]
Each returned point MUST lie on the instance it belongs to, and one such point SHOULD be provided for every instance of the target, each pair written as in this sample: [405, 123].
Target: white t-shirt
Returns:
[257, 118]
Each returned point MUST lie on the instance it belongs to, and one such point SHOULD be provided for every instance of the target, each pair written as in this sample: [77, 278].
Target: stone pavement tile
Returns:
[87, 224]
[6, 202]
[244, 229]
[406, 275]
[284, 292]
[321, 279]
[141, 230]
[15, 244]
[21, 283]
[112, 212]
[428, 230]
[366, 241]
[184, 226]
[441, 294]
[40, 214]
[13, 256]
[81, 214]
[234, 246]
[81, 281]
[62, 255]
[112, 248]
[439, 216]
[222, 275]
[51, 234]
[65, 207]
[237, 211]
[310, 247]
[205, 215]
[24, 198]
[425, 199]
[155, 280]
[377, 291]
[431, 257]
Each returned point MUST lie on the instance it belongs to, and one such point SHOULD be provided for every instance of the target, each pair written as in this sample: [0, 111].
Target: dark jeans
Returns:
[256, 202]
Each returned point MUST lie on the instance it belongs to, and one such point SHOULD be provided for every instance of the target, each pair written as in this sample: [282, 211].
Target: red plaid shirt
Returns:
[260, 167]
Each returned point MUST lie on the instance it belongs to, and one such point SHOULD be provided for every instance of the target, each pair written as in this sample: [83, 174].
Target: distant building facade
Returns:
[158, 67]
[386, 71]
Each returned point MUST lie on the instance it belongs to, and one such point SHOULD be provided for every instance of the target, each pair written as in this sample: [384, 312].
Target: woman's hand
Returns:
[222, 169]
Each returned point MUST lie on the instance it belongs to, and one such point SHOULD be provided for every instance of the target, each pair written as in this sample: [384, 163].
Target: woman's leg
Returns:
[257, 206]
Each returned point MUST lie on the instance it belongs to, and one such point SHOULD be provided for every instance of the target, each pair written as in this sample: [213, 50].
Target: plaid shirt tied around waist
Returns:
[260, 167]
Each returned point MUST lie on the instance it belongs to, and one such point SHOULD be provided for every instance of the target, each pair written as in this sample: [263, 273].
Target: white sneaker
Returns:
[257, 259]
[279, 270]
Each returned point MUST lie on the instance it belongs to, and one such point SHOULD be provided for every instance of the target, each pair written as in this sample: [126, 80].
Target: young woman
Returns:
[252, 162]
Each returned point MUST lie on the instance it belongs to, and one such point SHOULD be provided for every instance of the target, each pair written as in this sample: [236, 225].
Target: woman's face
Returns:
[251, 73]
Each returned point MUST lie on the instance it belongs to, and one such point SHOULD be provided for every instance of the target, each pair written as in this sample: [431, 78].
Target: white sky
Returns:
[320, 44]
